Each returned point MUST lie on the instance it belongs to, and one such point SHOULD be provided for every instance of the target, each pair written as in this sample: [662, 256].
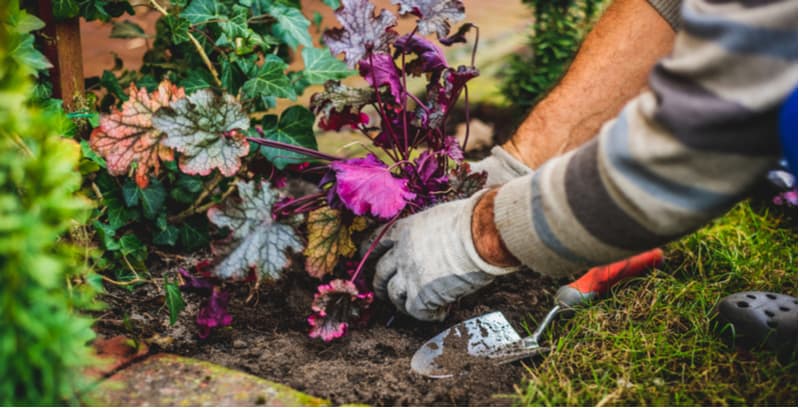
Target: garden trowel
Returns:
[490, 338]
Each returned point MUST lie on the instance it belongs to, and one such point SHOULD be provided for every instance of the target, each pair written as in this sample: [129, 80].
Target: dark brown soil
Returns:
[369, 366]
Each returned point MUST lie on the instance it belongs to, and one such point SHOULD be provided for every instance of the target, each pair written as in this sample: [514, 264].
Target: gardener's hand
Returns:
[428, 260]
[501, 167]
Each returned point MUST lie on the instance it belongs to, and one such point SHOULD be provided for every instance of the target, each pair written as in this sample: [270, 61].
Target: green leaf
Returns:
[178, 28]
[127, 29]
[295, 127]
[193, 233]
[65, 8]
[110, 82]
[174, 301]
[195, 80]
[202, 11]
[235, 25]
[150, 200]
[291, 26]
[117, 214]
[334, 4]
[130, 245]
[23, 22]
[27, 55]
[270, 81]
[90, 154]
[321, 66]
[167, 237]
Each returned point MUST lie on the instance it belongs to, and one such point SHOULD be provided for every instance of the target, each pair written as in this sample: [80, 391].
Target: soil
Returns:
[370, 365]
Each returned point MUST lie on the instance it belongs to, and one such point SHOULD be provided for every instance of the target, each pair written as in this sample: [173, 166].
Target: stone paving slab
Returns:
[115, 353]
[170, 380]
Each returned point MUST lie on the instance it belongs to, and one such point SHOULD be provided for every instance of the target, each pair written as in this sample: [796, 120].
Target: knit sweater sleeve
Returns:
[670, 10]
[678, 155]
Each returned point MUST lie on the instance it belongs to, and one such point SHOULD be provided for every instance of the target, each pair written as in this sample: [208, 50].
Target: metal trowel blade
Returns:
[478, 339]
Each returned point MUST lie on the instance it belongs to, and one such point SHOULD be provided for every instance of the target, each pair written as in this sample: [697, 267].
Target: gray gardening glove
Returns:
[428, 260]
[501, 167]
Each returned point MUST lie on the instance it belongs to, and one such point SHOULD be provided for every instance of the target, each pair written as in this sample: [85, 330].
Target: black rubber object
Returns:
[759, 319]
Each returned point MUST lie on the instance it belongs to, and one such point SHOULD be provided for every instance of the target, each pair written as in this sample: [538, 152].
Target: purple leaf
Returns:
[452, 149]
[429, 57]
[214, 313]
[435, 16]
[362, 32]
[380, 70]
[455, 79]
[365, 185]
[459, 37]
[336, 305]
[194, 283]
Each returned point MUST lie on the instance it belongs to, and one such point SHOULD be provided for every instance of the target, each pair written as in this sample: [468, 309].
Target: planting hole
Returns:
[742, 304]
[771, 296]
[772, 324]
[751, 296]
[769, 313]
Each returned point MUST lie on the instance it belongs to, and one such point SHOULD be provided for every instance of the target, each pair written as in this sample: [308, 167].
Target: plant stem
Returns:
[466, 117]
[294, 148]
[380, 103]
[196, 44]
[372, 247]
[475, 46]
[196, 208]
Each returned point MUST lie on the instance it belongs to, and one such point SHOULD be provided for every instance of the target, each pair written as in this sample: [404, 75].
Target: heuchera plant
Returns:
[423, 162]
[413, 162]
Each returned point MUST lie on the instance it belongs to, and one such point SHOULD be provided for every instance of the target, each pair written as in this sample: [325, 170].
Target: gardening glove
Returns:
[501, 167]
[428, 260]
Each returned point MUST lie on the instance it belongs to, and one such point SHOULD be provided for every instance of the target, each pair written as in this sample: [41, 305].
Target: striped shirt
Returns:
[681, 153]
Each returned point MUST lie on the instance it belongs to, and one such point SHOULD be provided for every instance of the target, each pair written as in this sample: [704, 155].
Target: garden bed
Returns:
[370, 365]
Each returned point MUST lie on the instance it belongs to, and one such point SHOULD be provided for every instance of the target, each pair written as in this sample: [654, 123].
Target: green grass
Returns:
[651, 342]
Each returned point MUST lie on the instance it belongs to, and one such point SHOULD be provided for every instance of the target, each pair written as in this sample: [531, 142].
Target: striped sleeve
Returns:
[678, 155]
[669, 10]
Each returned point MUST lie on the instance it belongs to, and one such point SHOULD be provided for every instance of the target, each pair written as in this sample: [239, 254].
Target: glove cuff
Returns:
[465, 232]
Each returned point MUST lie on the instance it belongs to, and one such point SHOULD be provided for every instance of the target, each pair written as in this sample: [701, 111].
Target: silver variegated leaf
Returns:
[205, 128]
[259, 243]
[435, 16]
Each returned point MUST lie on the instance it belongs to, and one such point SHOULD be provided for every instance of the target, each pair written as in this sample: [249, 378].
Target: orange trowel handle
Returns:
[600, 279]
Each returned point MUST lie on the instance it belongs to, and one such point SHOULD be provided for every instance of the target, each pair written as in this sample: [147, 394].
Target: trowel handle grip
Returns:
[598, 280]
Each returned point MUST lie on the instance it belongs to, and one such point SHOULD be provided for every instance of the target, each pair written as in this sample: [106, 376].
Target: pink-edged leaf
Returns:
[430, 58]
[452, 149]
[365, 185]
[379, 70]
[435, 16]
[362, 32]
[259, 243]
[336, 306]
[205, 128]
[127, 138]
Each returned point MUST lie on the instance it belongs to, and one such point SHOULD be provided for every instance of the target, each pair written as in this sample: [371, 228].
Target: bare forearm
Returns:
[610, 68]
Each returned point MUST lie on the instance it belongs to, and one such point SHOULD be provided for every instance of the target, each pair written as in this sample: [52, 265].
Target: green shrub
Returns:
[556, 34]
[43, 343]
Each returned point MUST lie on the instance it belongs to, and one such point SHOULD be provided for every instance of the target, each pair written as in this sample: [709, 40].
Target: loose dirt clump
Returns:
[371, 365]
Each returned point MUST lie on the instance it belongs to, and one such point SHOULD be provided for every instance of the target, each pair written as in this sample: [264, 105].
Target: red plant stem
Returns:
[380, 103]
[421, 105]
[405, 99]
[475, 46]
[294, 148]
[387, 151]
[466, 117]
[372, 247]
[310, 198]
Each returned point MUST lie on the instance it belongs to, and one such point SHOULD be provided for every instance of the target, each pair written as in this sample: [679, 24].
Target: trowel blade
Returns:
[471, 341]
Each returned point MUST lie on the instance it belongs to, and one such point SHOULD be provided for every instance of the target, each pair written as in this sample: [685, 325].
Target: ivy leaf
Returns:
[269, 81]
[295, 127]
[291, 25]
[367, 186]
[174, 301]
[235, 25]
[196, 80]
[127, 29]
[150, 200]
[178, 28]
[321, 66]
[259, 242]
[63, 9]
[24, 22]
[204, 128]
[435, 16]
[362, 32]
[334, 4]
[127, 138]
[203, 11]
[329, 238]
[26, 55]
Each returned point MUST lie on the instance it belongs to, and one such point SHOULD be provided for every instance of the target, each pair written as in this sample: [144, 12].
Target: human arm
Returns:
[678, 155]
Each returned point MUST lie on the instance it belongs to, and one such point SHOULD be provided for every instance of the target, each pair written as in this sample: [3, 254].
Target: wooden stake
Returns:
[62, 46]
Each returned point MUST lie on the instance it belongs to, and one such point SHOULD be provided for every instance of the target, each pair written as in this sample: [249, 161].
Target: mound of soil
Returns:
[370, 365]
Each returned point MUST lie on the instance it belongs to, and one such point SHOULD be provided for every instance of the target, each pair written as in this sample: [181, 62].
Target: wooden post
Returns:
[62, 46]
